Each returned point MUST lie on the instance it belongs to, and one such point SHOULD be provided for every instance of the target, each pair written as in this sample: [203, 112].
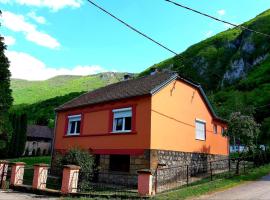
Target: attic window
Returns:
[74, 125]
[122, 119]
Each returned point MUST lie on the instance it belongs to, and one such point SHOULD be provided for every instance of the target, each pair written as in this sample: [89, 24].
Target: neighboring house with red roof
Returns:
[39, 140]
[139, 123]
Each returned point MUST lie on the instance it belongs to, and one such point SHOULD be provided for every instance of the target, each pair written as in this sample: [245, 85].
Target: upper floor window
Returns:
[200, 129]
[215, 128]
[74, 125]
[122, 119]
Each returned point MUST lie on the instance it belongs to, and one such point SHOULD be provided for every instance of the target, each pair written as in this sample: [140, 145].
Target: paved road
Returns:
[256, 190]
[11, 195]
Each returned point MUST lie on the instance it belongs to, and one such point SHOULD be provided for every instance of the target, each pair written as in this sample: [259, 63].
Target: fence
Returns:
[108, 184]
[167, 178]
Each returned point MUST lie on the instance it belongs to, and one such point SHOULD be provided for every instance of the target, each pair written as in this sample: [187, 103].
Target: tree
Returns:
[18, 140]
[5, 99]
[243, 130]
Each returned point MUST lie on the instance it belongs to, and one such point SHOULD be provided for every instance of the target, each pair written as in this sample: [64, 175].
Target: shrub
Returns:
[83, 159]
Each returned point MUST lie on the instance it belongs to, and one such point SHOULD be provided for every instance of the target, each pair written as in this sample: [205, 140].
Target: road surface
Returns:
[12, 195]
[259, 190]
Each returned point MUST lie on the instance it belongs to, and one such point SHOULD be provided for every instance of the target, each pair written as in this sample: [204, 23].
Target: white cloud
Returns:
[25, 66]
[209, 33]
[54, 5]
[18, 23]
[221, 12]
[9, 40]
[38, 19]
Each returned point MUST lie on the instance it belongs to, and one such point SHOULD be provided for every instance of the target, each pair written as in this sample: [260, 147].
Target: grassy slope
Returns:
[208, 61]
[28, 92]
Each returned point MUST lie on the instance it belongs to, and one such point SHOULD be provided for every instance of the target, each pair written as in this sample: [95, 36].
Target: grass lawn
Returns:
[30, 161]
[206, 186]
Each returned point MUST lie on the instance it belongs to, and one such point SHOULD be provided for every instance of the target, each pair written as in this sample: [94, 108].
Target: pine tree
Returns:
[5, 99]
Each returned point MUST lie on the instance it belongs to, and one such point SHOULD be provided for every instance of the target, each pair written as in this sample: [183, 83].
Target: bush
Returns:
[83, 159]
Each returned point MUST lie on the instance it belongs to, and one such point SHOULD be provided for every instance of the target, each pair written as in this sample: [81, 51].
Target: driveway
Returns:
[253, 190]
[12, 195]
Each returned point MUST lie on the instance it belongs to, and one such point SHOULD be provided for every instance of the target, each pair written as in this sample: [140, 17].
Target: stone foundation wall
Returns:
[137, 162]
[176, 158]
[176, 167]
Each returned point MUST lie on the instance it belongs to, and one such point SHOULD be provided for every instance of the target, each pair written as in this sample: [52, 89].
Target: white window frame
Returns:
[121, 114]
[197, 137]
[72, 118]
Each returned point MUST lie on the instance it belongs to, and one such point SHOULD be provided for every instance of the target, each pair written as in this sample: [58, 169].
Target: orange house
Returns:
[139, 123]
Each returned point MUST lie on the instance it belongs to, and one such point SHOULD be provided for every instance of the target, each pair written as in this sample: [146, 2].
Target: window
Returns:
[215, 128]
[74, 125]
[122, 120]
[222, 130]
[119, 163]
[200, 130]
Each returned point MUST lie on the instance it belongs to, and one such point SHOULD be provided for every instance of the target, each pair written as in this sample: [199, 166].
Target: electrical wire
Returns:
[217, 19]
[132, 28]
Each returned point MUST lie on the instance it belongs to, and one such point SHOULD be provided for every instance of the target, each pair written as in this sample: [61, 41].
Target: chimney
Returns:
[154, 70]
[127, 77]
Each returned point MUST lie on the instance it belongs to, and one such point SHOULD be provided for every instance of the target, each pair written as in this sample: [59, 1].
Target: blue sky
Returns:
[48, 37]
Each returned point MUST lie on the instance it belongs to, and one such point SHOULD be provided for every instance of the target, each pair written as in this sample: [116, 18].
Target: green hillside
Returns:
[28, 92]
[233, 67]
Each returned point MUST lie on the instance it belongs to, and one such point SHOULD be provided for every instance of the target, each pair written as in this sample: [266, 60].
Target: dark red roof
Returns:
[121, 90]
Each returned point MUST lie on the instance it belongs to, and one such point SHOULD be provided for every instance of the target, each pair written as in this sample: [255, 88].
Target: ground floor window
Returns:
[120, 163]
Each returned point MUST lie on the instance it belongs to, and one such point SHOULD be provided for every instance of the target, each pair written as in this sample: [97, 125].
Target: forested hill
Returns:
[28, 92]
[233, 67]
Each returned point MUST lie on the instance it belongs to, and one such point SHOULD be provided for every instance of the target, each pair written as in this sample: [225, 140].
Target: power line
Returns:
[132, 28]
[214, 18]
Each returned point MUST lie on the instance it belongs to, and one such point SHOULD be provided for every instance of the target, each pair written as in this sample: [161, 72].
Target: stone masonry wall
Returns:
[137, 162]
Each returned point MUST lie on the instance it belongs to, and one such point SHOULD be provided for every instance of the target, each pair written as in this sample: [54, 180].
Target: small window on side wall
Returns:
[122, 120]
[200, 129]
[222, 130]
[215, 128]
[74, 125]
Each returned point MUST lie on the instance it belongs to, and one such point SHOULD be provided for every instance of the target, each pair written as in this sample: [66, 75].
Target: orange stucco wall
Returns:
[96, 127]
[173, 113]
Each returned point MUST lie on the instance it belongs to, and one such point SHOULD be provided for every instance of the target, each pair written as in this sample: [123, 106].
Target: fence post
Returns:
[40, 176]
[145, 183]
[3, 173]
[17, 172]
[187, 174]
[211, 171]
[70, 179]
[229, 164]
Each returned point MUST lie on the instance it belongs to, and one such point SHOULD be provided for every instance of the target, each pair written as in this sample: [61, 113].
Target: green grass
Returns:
[206, 186]
[30, 161]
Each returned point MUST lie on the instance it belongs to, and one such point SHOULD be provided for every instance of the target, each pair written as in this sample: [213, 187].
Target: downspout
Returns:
[54, 133]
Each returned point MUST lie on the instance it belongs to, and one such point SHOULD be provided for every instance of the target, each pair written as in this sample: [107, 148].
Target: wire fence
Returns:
[108, 184]
[167, 178]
